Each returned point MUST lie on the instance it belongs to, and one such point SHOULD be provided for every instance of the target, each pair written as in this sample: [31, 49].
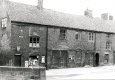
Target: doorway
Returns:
[17, 60]
[97, 59]
[59, 59]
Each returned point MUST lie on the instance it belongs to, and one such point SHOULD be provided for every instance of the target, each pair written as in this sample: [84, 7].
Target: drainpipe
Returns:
[94, 50]
[46, 47]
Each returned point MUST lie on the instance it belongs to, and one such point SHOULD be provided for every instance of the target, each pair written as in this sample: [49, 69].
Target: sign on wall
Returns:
[43, 59]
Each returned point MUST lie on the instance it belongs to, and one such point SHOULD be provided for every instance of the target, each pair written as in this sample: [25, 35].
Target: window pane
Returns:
[30, 39]
[34, 40]
[91, 36]
[62, 33]
[76, 36]
[37, 39]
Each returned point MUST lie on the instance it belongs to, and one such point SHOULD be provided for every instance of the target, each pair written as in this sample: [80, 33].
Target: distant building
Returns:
[54, 39]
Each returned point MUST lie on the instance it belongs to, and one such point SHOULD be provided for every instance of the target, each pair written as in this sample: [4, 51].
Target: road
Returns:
[102, 72]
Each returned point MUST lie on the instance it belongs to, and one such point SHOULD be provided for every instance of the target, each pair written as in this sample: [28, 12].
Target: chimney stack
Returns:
[88, 13]
[104, 16]
[110, 17]
[40, 4]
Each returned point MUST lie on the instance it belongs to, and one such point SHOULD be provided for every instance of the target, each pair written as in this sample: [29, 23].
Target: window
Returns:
[63, 33]
[108, 45]
[4, 22]
[108, 35]
[78, 35]
[34, 41]
[91, 36]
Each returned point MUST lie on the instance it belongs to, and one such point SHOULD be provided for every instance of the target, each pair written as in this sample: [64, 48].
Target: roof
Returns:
[31, 14]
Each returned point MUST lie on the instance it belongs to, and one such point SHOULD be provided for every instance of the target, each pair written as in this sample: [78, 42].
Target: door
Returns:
[63, 59]
[59, 59]
[55, 59]
[97, 59]
[17, 60]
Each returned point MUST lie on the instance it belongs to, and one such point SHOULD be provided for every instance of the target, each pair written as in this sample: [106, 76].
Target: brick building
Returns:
[54, 39]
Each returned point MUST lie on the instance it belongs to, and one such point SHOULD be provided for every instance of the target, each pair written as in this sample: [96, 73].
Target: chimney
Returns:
[104, 16]
[110, 17]
[88, 13]
[40, 4]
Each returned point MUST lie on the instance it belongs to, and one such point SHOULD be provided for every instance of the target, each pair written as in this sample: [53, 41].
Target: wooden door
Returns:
[63, 59]
[17, 60]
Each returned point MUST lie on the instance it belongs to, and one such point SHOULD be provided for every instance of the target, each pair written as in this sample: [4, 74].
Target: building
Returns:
[54, 39]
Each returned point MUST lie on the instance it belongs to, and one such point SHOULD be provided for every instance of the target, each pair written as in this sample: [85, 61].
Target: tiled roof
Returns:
[31, 14]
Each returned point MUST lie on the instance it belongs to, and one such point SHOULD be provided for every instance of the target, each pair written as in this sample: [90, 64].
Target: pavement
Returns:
[102, 72]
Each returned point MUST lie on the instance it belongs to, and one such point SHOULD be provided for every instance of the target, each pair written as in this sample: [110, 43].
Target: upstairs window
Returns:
[91, 36]
[4, 22]
[63, 33]
[108, 45]
[78, 35]
[108, 35]
[34, 41]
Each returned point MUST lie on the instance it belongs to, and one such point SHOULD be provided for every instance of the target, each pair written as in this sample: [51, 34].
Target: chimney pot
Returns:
[40, 4]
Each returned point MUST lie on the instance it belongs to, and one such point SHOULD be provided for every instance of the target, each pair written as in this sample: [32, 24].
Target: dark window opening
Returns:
[34, 41]
[63, 33]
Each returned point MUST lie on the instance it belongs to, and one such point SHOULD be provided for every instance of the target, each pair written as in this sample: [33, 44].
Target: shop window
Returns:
[4, 22]
[108, 45]
[63, 33]
[78, 36]
[91, 36]
[34, 41]
[33, 61]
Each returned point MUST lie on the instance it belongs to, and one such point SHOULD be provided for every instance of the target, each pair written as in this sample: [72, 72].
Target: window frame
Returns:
[91, 36]
[108, 35]
[34, 41]
[4, 22]
[63, 34]
[108, 45]
[78, 35]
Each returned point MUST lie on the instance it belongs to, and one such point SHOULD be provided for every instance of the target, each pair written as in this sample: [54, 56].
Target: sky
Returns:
[77, 6]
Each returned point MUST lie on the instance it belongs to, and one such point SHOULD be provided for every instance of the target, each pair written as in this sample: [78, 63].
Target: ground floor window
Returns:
[33, 61]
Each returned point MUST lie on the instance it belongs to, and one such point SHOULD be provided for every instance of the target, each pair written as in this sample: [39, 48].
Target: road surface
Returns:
[103, 72]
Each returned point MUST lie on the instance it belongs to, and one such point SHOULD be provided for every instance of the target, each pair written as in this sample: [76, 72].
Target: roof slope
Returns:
[31, 14]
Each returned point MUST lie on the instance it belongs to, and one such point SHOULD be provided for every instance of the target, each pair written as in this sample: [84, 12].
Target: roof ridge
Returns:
[22, 3]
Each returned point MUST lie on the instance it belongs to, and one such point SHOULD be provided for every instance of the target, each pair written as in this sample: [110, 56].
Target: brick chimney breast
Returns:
[104, 16]
[88, 13]
[110, 17]
[40, 4]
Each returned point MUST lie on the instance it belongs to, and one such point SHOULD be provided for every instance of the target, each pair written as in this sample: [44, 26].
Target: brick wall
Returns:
[16, 73]
[71, 42]
[20, 37]
[98, 46]
[101, 39]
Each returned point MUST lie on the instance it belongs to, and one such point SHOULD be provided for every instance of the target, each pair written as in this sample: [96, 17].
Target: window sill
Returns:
[34, 47]
[90, 41]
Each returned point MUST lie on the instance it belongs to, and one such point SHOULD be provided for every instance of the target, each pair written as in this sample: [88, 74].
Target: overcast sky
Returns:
[77, 6]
